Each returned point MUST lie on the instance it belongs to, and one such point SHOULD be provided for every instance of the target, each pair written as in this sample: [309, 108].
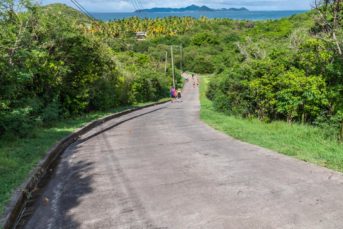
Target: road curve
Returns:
[161, 167]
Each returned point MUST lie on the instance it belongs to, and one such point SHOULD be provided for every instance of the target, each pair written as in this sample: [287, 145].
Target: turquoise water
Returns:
[244, 15]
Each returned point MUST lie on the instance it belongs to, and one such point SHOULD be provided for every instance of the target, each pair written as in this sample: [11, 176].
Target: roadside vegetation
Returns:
[55, 76]
[305, 142]
[57, 65]
[278, 70]
[52, 68]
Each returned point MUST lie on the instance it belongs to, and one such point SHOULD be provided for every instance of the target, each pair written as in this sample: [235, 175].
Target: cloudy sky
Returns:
[126, 5]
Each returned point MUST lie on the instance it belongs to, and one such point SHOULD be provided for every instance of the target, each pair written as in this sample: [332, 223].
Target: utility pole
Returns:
[181, 57]
[172, 61]
[166, 64]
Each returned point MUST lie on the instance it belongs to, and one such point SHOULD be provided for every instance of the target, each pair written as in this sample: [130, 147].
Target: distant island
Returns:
[191, 8]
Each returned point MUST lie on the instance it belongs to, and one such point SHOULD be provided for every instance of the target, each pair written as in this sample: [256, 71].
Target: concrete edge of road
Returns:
[22, 196]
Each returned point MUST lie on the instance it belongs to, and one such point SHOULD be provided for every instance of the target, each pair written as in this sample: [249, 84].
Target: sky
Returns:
[126, 6]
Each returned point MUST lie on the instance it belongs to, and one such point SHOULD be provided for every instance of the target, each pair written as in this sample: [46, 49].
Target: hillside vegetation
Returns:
[305, 142]
[53, 67]
[289, 69]
[55, 76]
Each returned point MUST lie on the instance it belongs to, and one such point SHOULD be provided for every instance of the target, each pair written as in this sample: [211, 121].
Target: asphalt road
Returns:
[163, 168]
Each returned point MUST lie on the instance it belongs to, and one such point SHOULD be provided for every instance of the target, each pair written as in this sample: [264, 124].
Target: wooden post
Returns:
[172, 61]
[181, 57]
[166, 64]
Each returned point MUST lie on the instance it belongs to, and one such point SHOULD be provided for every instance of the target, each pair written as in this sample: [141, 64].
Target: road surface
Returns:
[161, 167]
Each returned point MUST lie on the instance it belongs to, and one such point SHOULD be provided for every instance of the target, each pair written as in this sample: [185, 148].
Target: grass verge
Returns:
[304, 142]
[19, 156]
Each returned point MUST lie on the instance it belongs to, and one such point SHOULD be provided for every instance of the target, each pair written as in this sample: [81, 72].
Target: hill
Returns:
[190, 8]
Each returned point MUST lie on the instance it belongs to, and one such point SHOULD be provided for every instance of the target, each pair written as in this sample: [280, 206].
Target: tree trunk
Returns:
[303, 118]
[337, 43]
[336, 24]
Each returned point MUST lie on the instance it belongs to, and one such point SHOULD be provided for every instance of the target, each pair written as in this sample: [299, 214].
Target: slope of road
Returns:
[161, 167]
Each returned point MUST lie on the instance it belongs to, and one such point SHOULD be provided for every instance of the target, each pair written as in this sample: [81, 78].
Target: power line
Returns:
[133, 2]
[140, 4]
[137, 4]
[79, 8]
[82, 9]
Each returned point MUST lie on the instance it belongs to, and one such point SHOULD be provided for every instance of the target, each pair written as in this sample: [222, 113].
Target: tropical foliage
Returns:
[56, 63]
[53, 67]
[288, 69]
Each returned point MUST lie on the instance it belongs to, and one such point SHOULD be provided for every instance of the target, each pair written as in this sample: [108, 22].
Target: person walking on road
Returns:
[179, 95]
[175, 94]
[172, 94]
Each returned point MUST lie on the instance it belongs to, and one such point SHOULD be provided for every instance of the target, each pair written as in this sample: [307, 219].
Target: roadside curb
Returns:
[24, 192]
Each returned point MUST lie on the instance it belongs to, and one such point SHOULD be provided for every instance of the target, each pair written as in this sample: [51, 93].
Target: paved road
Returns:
[164, 168]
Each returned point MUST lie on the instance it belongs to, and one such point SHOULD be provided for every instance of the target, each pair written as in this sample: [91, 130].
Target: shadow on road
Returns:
[67, 183]
[117, 124]
[77, 185]
[56, 195]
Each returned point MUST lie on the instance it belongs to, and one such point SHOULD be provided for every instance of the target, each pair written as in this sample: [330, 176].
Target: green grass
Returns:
[18, 157]
[304, 142]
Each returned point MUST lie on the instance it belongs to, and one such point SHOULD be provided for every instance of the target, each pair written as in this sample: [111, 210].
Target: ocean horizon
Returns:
[236, 15]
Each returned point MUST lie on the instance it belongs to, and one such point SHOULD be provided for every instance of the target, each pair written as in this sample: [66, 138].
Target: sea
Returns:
[237, 15]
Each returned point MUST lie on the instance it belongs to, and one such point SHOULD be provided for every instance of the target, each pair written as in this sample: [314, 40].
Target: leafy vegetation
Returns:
[56, 64]
[288, 69]
[53, 68]
[305, 142]
[56, 75]
[285, 71]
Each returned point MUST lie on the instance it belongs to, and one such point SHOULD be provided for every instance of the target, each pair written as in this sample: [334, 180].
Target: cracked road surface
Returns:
[161, 167]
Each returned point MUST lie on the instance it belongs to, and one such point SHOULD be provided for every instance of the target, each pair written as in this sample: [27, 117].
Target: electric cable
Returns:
[82, 9]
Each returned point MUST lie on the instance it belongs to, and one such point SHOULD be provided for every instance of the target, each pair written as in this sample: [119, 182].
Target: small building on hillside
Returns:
[141, 36]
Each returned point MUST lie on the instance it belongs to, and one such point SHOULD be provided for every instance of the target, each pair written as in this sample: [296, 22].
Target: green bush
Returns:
[51, 112]
[204, 38]
[64, 66]
[18, 122]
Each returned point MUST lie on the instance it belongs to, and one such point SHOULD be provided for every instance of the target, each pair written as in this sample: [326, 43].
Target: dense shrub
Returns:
[289, 69]
[300, 82]
[204, 38]
[18, 122]
[55, 66]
